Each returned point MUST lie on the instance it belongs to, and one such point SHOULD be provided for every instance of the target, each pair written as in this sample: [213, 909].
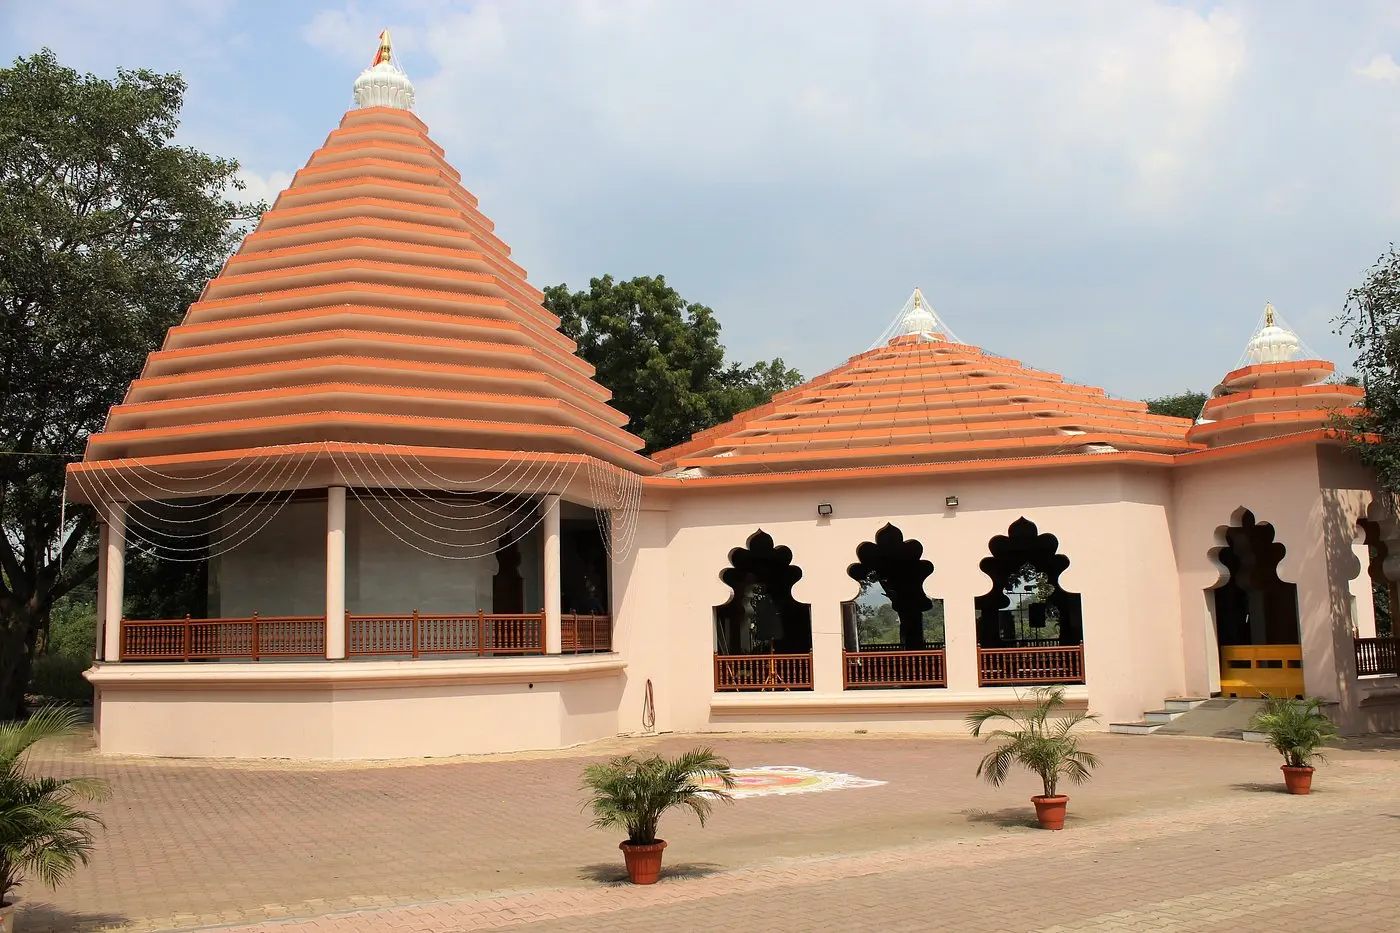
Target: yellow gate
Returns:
[1260, 670]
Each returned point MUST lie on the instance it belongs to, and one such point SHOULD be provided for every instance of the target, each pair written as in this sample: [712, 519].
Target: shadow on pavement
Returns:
[1009, 818]
[616, 872]
[1256, 788]
[45, 918]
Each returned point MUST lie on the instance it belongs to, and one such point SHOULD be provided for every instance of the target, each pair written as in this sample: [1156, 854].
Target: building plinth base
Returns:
[356, 710]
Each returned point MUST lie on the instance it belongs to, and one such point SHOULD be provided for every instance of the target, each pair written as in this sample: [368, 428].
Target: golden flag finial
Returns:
[383, 54]
[1268, 314]
[918, 299]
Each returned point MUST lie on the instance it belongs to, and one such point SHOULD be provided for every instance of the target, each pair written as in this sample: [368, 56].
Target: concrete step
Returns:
[1221, 718]
[1183, 704]
[1162, 716]
[1134, 728]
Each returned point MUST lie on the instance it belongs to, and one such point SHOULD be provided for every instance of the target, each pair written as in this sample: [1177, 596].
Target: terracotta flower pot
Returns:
[1050, 811]
[643, 862]
[1297, 780]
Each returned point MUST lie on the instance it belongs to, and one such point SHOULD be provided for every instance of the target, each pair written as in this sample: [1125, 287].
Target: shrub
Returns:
[1045, 747]
[43, 834]
[633, 793]
[1297, 729]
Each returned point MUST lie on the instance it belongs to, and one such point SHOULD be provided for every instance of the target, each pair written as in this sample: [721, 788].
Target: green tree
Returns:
[1370, 320]
[108, 231]
[1181, 405]
[661, 357]
[877, 624]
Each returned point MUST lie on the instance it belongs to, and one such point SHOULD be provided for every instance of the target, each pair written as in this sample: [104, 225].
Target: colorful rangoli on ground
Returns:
[789, 779]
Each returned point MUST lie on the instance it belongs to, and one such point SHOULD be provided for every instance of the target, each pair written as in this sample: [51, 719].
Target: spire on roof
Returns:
[917, 319]
[383, 83]
[1272, 343]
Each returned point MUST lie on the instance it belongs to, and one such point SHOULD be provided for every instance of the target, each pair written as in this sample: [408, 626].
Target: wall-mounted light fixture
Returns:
[824, 510]
[951, 502]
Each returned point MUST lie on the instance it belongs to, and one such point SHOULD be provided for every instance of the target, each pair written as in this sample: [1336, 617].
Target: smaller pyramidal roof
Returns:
[921, 397]
[373, 303]
[1280, 388]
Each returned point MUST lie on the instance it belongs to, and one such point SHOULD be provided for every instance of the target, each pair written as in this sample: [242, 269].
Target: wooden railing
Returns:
[1378, 656]
[1261, 670]
[763, 672]
[415, 634]
[252, 639]
[885, 668]
[579, 634]
[998, 667]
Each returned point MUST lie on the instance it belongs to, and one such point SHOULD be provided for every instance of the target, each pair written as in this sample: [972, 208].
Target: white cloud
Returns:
[262, 187]
[1109, 190]
[684, 90]
[1381, 68]
[352, 35]
[157, 31]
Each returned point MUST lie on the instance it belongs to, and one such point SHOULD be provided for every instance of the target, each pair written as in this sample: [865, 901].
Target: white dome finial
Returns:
[1273, 344]
[383, 83]
[918, 319]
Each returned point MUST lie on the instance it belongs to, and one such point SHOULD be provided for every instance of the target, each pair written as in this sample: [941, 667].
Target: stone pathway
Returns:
[1173, 834]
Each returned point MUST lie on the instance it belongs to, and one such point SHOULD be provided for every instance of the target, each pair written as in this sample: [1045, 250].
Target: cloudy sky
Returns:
[1107, 189]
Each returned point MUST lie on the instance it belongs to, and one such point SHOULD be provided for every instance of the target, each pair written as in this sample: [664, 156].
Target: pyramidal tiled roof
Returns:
[921, 398]
[1276, 393]
[372, 304]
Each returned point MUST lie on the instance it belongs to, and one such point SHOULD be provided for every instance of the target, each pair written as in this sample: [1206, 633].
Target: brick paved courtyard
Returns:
[1173, 834]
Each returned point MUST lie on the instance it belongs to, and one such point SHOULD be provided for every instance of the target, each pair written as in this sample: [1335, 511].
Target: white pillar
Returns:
[100, 610]
[959, 595]
[114, 582]
[828, 644]
[335, 572]
[553, 639]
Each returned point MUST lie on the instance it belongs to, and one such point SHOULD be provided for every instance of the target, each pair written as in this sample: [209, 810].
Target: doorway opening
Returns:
[1256, 615]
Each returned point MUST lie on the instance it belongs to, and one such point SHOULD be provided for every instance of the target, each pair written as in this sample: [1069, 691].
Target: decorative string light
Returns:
[389, 484]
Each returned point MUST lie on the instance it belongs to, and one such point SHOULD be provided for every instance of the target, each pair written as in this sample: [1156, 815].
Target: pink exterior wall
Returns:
[1112, 523]
[1312, 496]
[1139, 541]
[357, 710]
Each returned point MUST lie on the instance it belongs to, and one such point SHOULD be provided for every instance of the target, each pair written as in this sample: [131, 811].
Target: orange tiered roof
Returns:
[1276, 394]
[373, 304]
[1272, 400]
[924, 399]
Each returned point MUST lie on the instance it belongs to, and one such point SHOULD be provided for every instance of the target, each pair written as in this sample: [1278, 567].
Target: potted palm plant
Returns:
[632, 793]
[1297, 729]
[1047, 747]
[44, 834]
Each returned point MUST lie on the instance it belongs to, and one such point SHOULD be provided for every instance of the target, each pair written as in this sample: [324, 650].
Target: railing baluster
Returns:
[882, 668]
[1011, 666]
[1375, 656]
[764, 672]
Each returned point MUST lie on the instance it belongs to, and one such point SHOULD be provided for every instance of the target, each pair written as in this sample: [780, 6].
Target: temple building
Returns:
[420, 528]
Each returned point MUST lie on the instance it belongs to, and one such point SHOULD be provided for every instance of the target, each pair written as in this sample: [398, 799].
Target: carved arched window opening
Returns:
[892, 610]
[1026, 606]
[1256, 614]
[1253, 606]
[761, 615]
[1383, 590]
